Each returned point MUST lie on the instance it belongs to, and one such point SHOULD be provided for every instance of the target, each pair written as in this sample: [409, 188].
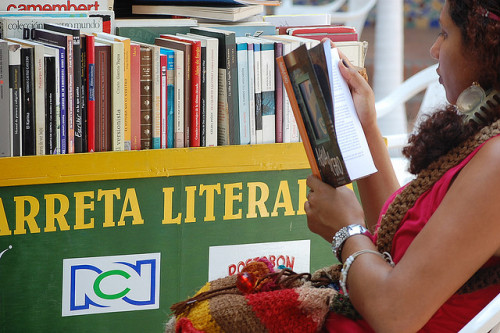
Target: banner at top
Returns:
[56, 5]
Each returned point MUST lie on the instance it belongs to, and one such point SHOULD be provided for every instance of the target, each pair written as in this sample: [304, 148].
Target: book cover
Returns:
[78, 96]
[90, 91]
[195, 80]
[207, 12]
[12, 27]
[146, 97]
[64, 40]
[5, 127]
[311, 112]
[102, 97]
[57, 5]
[27, 100]
[127, 108]
[135, 96]
[228, 111]
[15, 98]
[335, 33]
[210, 88]
[50, 105]
[186, 49]
[243, 91]
[243, 29]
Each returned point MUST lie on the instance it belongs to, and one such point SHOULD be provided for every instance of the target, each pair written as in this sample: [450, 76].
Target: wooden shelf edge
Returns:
[35, 170]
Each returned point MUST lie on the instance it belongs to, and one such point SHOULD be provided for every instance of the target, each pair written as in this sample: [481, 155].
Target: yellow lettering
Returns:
[50, 214]
[190, 191]
[4, 226]
[108, 205]
[229, 202]
[302, 196]
[253, 203]
[283, 191]
[167, 207]
[210, 191]
[134, 212]
[80, 207]
[29, 219]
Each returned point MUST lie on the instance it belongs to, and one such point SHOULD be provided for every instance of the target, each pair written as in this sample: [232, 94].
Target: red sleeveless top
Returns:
[458, 310]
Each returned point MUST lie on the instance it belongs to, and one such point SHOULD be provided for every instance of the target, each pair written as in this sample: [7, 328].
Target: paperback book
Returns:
[337, 151]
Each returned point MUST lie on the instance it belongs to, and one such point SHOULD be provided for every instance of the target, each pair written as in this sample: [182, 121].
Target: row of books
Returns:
[68, 91]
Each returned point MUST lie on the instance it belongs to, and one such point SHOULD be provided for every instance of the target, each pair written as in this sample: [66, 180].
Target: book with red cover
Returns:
[336, 33]
[195, 125]
[135, 100]
[102, 97]
[186, 48]
[90, 90]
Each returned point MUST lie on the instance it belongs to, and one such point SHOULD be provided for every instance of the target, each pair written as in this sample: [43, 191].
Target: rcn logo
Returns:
[111, 284]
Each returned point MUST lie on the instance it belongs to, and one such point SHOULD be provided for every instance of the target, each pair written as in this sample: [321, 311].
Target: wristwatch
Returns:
[342, 235]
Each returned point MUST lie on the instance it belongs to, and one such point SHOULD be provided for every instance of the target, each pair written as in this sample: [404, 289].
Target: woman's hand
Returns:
[328, 209]
[362, 93]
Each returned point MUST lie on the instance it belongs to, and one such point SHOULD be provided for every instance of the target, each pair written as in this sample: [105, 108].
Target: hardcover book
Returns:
[135, 95]
[102, 97]
[317, 127]
[28, 95]
[5, 128]
[15, 98]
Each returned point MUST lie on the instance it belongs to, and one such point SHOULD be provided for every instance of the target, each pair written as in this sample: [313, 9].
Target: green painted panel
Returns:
[31, 272]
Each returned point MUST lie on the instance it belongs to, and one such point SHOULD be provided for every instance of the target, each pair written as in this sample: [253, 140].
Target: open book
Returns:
[323, 108]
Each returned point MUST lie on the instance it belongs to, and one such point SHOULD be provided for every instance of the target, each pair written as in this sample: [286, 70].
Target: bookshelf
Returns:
[83, 213]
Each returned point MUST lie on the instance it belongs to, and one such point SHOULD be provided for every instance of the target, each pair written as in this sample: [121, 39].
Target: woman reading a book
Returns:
[431, 261]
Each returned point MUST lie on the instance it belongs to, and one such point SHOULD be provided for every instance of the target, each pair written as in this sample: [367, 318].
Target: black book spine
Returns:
[27, 104]
[15, 87]
[50, 106]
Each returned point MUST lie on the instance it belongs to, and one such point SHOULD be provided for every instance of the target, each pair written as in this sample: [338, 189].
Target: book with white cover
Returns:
[212, 94]
[179, 99]
[243, 91]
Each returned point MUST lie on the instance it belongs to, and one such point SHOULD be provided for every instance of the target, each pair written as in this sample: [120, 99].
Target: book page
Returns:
[350, 135]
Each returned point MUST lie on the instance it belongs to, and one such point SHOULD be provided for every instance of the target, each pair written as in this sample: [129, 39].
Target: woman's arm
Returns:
[375, 189]
[458, 239]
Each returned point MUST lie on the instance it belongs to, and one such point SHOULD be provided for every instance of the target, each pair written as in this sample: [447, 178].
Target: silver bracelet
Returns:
[348, 262]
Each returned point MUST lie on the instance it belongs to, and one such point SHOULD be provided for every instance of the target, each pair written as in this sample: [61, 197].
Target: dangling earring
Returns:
[473, 103]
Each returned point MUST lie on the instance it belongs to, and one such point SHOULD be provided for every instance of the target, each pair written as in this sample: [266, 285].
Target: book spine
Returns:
[268, 87]
[258, 94]
[91, 98]
[251, 93]
[243, 105]
[146, 98]
[211, 92]
[203, 96]
[83, 92]
[70, 100]
[117, 97]
[63, 131]
[170, 98]
[50, 87]
[57, 101]
[232, 91]
[194, 134]
[127, 107]
[28, 108]
[278, 95]
[135, 96]
[156, 96]
[5, 128]
[179, 99]
[160, 142]
[78, 96]
[15, 98]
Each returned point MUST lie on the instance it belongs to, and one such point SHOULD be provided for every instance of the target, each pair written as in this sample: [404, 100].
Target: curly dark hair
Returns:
[444, 129]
